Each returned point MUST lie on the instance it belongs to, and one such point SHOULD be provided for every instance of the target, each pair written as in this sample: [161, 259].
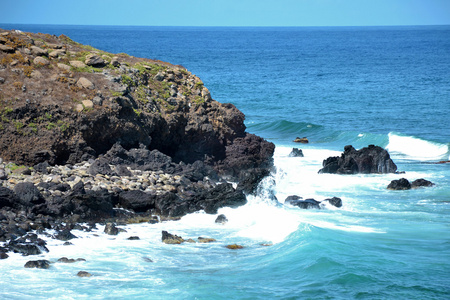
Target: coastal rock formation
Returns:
[66, 117]
[371, 159]
[88, 136]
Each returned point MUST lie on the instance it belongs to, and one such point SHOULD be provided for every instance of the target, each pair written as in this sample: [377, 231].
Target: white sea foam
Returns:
[416, 149]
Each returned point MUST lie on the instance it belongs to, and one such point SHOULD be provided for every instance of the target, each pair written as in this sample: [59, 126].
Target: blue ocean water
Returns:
[388, 86]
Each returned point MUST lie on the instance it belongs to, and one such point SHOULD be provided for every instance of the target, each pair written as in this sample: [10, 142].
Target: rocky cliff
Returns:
[63, 103]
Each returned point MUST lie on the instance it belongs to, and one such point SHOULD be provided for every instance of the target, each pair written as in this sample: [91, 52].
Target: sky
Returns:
[227, 12]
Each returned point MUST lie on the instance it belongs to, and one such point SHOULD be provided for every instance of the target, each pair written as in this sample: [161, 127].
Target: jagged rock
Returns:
[335, 201]
[421, 183]
[221, 219]
[94, 60]
[28, 194]
[371, 159]
[101, 166]
[64, 235]
[296, 153]
[27, 248]
[39, 264]
[122, 170]
[168, 238]
[85, 83]
[400, 184]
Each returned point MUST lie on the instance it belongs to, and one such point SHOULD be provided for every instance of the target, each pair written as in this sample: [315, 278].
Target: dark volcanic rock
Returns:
[220, 196]
[421, 183]
[221, 219]
[7, 197]
[306, 204]
[371, 159]
[404, 184]
[28, 194]
[39, 264]
[27, 248]
[335, 201]
[292, 199]
[400, 184]
[296, 153]
[137, 200]
[65, 235]
[101, 166]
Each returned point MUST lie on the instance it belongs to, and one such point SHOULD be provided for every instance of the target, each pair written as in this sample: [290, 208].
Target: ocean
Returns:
[337, 86]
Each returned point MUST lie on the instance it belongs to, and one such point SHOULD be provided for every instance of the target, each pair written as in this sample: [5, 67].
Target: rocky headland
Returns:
[90, 136]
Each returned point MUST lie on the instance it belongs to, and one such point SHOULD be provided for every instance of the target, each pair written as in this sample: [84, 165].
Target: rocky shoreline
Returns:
[94, 137]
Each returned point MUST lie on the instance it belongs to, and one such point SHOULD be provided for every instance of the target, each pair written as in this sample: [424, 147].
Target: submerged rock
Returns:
[302, 140]
[168, 238]
[84, 274]
[39, 264]
[421, 183]
[234, 247]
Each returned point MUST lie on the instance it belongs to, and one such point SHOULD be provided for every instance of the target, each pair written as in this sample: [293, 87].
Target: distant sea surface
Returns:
[388, 86]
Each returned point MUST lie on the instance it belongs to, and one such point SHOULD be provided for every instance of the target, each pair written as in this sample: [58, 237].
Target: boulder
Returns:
[41, 61]
[421, 183]
[63, 67]
[85, 83]
[28, 194]
[77, 64]
[169, 238]
[94, 61]
[57, 53]
[296, 153]
[39, 264]
[221, 219]
[371, 159]
[292, 199]
[38, 51]
[6, 48]
[101, 166]
[64, 235]
[27, 248]
[115, 62]
[400, 184]
[84, 274]
[3, 174]
[206, 240]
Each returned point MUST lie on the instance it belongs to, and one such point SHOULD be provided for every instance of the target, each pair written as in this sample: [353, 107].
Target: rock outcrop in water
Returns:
[371, 159]
[404, 184]
[94, 136]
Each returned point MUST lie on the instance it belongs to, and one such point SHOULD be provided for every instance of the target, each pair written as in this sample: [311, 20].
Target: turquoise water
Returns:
[388, 86]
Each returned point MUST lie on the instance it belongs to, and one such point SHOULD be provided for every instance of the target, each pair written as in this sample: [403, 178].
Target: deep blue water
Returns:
[388, 86]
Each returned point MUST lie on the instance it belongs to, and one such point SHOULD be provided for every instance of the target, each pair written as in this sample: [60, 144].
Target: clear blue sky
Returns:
[227, 12]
